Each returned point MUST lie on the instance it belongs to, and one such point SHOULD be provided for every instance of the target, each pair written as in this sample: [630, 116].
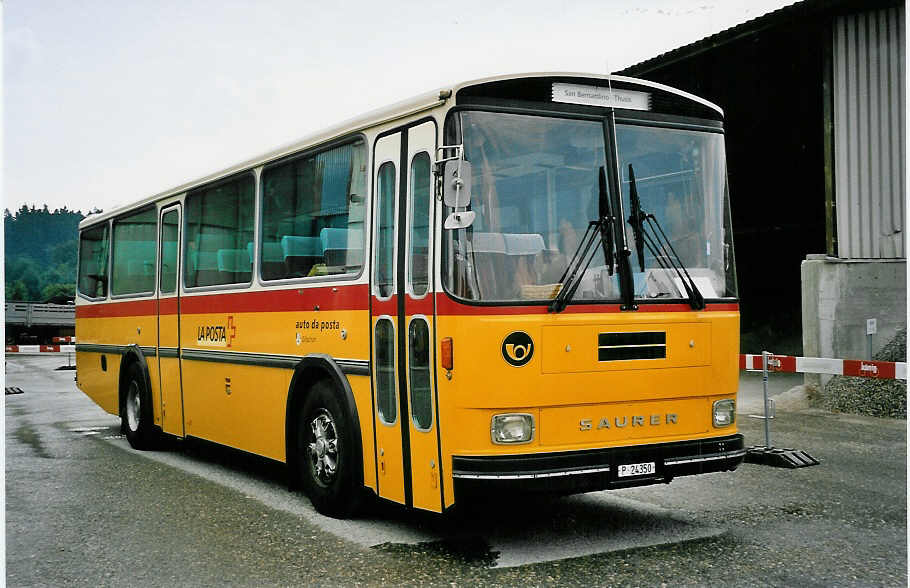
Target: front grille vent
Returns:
[626, 346]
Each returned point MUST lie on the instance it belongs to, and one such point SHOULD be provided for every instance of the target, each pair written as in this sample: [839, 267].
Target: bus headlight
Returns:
[724, 412]
[512, 428]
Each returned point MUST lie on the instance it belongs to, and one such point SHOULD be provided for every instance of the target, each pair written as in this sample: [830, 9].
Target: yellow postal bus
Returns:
[518, 283]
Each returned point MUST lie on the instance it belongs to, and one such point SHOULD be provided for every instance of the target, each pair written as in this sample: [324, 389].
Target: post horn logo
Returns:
[517, 348]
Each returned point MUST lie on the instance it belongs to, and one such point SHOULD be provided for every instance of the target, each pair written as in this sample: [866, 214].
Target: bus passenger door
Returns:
[169, 323]
[384, 318]
[402, 308]
[418, 323]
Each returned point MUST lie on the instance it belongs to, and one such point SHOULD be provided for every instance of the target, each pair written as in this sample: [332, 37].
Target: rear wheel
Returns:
[136, 411]
[326, 453]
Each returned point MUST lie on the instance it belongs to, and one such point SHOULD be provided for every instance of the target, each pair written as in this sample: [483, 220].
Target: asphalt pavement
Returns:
[83, 508]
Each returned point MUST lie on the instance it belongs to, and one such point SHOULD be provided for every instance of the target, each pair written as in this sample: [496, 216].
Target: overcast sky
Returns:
[109, 101]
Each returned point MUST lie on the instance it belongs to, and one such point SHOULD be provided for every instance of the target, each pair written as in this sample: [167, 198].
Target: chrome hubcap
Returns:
[323, 448]
[132, 407]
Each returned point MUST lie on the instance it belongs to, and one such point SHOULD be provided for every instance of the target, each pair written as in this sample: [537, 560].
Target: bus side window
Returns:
[134, 245]
[383, 272]
[169, 235]
[419, 242]
[93, 250]
[312, 221]
[219, 224]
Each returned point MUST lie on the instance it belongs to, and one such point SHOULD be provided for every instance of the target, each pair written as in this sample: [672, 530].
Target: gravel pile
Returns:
[868, 396]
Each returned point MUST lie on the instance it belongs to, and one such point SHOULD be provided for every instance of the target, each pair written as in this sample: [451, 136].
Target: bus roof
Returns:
[391, 113]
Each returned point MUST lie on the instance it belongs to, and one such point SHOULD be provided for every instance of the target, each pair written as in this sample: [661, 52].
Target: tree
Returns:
[58, 291]
[63, 254]
[40, 249]
[16, 291]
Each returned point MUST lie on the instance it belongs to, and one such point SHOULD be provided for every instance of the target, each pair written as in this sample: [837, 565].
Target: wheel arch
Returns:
[313, 367]
[132, 354]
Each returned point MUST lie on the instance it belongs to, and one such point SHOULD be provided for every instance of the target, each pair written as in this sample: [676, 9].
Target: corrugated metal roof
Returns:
[786, 15]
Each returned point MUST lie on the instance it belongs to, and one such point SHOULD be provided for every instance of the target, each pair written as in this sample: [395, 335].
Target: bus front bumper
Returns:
[595, 469]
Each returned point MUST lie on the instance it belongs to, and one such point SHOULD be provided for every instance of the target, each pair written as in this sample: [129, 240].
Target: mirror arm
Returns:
[459, 154]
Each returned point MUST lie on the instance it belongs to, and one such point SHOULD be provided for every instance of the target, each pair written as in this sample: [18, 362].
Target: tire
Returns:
[326, 456]
[136, 417]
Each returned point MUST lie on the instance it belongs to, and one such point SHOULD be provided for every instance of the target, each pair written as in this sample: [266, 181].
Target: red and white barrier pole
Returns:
[767, 454]
[886, 370]
[40, 349]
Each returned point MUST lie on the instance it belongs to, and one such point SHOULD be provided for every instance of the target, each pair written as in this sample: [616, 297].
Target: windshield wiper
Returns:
[602, 229]
[648, 232]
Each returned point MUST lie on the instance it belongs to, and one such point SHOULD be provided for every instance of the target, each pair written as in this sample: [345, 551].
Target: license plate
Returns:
[636, 469]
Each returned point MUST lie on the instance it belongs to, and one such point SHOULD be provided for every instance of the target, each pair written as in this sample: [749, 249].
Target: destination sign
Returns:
[597, 96]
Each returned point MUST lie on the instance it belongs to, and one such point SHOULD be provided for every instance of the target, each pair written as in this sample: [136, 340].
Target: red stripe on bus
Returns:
[118, 309]
[353, 297]
[723, 306]
[448, 306]
[385, 307]
[869, 369]
[422, 306]
[49, 348]
[326, 298]
[167, 305]
[390, 307]
[742, 362]
[12, 348]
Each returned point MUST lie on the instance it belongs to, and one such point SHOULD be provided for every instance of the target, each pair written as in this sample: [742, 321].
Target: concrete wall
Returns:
[838, 295]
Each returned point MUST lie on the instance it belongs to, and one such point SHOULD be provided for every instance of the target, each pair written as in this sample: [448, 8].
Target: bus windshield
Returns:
[681, 177]
[535, 190]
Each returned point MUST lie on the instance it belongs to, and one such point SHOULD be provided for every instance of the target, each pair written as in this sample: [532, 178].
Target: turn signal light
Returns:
[445, 352]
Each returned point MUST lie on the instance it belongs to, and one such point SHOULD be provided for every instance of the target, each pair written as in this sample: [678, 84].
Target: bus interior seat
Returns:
[503, 262]
[272, 263]
[343, 248]
[91, 280]
[300, 254]
[203, 269]
[140, 264]
[490, 264]
[234, 266]
[523, 243]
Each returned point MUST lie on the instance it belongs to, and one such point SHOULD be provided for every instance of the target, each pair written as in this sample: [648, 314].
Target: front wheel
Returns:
[326, 454]
[136, 411]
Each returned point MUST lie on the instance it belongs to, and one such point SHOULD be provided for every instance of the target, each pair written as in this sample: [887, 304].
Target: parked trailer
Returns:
[38, 322]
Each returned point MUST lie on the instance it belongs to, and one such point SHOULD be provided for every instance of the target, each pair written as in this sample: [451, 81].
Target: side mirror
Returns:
[459, 220]
[456, 183]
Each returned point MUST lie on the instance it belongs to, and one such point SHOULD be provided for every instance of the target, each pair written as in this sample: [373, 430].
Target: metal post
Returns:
[767, 455]
[871, 329]
[764, 382]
